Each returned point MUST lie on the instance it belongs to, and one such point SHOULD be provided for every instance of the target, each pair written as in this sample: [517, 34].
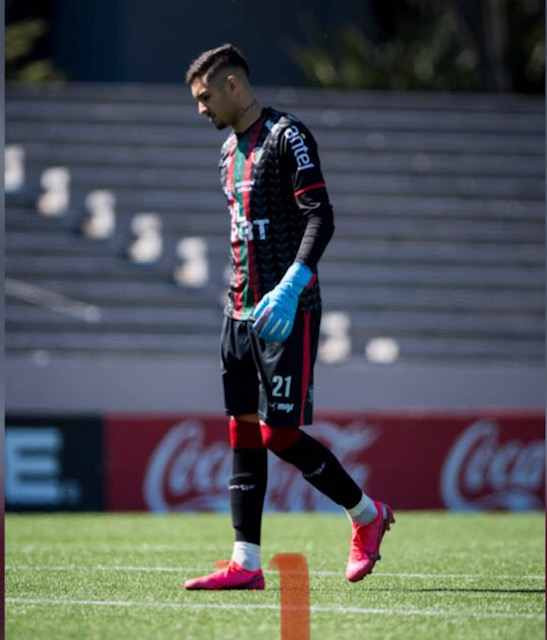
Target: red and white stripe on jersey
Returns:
[252, 270]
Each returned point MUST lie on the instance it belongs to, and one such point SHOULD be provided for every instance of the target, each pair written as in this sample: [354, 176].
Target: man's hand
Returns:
[274, 314]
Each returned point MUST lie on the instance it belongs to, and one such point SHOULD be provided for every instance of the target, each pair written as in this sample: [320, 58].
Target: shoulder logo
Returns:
[297, 141]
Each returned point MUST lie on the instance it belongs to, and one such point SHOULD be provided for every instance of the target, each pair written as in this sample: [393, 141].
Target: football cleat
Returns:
[231, 577]
[365, 543]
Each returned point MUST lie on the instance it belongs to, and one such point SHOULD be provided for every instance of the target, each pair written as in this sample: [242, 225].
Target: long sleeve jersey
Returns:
[279, 209]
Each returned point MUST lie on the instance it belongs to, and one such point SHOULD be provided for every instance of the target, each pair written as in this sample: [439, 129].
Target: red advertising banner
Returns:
[459, 461]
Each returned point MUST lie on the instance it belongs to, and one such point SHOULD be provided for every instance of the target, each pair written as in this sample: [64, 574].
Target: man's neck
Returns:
[249, 115]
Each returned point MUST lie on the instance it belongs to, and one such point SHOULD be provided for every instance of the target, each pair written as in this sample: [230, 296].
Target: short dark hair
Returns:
[213, 60]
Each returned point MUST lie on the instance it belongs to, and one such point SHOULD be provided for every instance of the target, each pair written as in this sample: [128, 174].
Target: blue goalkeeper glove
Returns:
[274, 314]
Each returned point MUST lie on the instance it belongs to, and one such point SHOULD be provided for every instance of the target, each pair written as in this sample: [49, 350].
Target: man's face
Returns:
[214, 101]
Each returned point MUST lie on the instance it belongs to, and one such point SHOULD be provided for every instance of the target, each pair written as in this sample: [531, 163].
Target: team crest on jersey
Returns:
[255, 155]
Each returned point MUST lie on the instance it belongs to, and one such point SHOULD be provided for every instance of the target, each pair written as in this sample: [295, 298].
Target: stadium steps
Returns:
[438, 202]
[341, 182]
[412, 349]
[181, 111]
[106, 293]
[198, 136]
[378, 225]
[95, 343]
[373, 297]
[332, 272]
[468, 164]
[159, 94]
[20, 243]
[168, 320]
[179, 207]
[133, 318]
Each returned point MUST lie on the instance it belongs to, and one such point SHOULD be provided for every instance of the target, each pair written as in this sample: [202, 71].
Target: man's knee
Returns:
[279, 439]
[245, 432]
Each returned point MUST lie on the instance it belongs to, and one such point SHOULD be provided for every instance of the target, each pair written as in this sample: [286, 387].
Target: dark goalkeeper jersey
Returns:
[279, 209]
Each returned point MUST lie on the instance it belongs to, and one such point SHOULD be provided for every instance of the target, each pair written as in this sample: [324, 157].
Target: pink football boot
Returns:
[231, 577]
[365, 543]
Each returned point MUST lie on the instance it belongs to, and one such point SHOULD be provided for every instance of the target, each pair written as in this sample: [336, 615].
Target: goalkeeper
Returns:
[281, 221]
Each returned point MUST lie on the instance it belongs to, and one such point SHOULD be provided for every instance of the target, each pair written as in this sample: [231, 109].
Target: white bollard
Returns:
[148, 245]
[382, 350]
[194, 270]
[56, 183]
[336, 344]
[101, 222]
[14, 168]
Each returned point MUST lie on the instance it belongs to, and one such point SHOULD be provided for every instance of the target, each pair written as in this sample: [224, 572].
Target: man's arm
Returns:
[299, 154]
[274, 314]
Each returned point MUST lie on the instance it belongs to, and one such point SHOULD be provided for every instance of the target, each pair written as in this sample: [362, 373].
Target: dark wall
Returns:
[87, 40]
[143, 41]
[470, 45]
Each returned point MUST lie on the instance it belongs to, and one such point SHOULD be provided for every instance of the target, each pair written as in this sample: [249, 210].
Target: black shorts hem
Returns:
[240, 412]
[279, 424]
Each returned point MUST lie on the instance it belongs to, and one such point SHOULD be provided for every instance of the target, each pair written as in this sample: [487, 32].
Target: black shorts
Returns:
[274, 379]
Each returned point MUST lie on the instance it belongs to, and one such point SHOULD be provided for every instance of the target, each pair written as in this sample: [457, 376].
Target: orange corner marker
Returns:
[295, 595]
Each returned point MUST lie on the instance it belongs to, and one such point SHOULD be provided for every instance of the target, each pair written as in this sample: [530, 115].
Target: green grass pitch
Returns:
[119, 576]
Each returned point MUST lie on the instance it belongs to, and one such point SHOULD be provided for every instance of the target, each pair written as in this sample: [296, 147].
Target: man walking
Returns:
[281, 222]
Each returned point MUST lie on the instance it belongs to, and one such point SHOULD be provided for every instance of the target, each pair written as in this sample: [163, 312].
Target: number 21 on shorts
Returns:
[281, 386]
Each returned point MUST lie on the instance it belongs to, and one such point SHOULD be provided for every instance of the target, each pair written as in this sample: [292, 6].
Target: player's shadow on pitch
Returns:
[467, 590]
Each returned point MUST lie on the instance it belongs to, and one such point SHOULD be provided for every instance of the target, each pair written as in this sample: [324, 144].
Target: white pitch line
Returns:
[260, 607]
[424, 576]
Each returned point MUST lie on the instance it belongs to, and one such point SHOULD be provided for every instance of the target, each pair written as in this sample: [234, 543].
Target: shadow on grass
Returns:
[463, 590]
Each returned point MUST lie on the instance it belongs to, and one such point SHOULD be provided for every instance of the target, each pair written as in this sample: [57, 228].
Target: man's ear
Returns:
[232, 83]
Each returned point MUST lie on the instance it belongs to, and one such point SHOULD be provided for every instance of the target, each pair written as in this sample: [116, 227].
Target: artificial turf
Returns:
[119, 576]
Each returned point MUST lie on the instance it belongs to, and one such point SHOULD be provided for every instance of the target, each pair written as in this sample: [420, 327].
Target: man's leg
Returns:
[247, 488]
[285, 401]
[249, 463]
[320, 467]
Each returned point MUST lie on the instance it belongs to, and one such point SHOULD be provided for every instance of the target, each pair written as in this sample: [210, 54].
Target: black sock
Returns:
[321, 468]
[247, 490]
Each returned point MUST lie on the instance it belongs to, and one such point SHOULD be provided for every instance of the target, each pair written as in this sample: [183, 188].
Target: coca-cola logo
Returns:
[480, 472]
[187, 473]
